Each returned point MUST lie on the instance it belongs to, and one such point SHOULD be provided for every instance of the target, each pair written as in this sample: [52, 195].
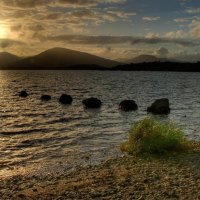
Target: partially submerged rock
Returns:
[45, 97]
[128, 105]
[92, 103]
[159, 107]
[23, 94]
[65, 99]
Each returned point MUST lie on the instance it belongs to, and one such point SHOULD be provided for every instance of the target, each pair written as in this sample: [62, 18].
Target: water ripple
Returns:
[39, 135]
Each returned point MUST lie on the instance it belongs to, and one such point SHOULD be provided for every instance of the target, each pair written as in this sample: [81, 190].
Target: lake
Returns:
[47, 138]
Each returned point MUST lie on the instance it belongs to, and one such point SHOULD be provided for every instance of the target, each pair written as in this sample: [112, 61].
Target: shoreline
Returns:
[175, 176]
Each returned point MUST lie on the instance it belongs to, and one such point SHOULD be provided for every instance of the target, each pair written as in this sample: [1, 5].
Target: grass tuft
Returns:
[151, 136]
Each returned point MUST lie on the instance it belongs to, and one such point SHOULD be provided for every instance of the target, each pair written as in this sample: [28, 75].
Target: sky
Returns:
[114, 29]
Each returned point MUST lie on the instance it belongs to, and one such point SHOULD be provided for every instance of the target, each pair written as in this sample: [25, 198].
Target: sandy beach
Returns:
[173, 177]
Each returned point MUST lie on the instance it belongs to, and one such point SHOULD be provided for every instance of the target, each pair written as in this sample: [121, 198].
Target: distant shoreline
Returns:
[153, 66]
[67, 59]
[161, 66]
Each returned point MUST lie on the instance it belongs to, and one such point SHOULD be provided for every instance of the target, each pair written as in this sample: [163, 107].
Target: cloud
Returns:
[133, 40]
[162, 52]
[185, 56]
[192, 10]
[122, 14]
[92, 40]
[4, 43]
[183, 2]
[23, 4]
[16, 27]
[29, 4]
[86, 3]
[176, 34]
[195, 28]
[36, 27]
[59, 15]
[152, 35]
[148, 19]
[92, 24]
[182, 42]
[181, 20]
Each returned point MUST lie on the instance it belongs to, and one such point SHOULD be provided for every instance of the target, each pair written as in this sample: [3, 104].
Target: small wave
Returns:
[61, 120]
[64, 120]
[10, 133]
[34, 114]
[36, 142]
[7, 116]
[21, 125]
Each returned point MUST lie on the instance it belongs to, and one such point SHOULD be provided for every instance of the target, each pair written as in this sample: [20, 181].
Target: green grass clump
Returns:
[151, 136]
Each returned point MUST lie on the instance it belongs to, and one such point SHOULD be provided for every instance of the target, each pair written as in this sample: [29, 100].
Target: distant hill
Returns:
[122, 60]
[7, 58]
[146, 58]
[66, 59]
[160, 66]
[61, 58]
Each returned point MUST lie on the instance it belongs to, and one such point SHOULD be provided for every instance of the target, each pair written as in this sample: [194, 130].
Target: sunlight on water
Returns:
[46, 137]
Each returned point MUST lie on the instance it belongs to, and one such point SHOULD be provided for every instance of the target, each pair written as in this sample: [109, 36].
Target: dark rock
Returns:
[23, 93]
[128, 105]
[92, 103]
[65, 99]
[45, 97]
[159, 107]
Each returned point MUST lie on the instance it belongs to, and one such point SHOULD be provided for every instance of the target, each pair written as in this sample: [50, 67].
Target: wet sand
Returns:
[175, 176]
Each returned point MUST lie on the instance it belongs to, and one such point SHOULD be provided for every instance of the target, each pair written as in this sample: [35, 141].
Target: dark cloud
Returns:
[23, 4]
[84, 39]
[156, 40]
[5, 43]
[82, 15]
[102, 40]
[188, 57]
[162, 52]
[17, 27]
[79, 2]
[36, 27]
[53, 16]
[56, 13]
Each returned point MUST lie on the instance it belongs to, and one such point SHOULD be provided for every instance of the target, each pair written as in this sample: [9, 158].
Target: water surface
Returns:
[46, 137]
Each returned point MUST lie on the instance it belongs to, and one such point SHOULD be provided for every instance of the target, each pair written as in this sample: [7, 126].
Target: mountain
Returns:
[122, 60]
[61, 58]
[146, 58]
[7, 58]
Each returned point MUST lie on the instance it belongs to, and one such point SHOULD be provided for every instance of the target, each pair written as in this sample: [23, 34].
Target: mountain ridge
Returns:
[146, 58]
[61, 58]
[7, 58]
[65, 59]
